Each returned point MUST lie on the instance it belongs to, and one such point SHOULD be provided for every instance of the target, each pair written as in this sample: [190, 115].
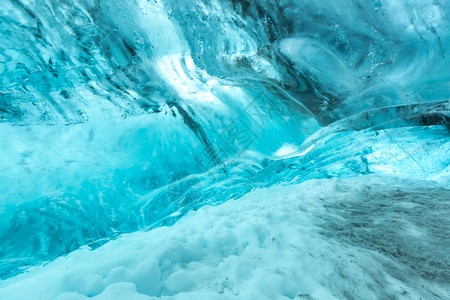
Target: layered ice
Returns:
[119, 117]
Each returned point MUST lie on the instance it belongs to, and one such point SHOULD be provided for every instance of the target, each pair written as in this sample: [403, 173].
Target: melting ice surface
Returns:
[282, 141]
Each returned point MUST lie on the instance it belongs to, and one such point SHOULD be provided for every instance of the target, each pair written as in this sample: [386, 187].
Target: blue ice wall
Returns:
[121, 115]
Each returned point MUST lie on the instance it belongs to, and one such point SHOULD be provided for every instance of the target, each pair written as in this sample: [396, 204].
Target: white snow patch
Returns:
[267, 245]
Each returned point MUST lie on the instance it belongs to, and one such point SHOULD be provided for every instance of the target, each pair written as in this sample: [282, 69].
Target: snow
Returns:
[368, 237]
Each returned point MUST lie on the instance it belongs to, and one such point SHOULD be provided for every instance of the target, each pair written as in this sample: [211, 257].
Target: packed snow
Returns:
[367, 237]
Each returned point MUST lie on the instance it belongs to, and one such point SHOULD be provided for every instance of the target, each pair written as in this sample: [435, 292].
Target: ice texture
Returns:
[119, 117]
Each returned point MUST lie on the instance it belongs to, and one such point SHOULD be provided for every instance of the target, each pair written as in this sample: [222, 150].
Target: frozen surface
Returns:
[119, 117]
[367, 237]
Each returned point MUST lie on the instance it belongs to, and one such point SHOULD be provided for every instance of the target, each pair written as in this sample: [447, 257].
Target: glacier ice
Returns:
[123, 116]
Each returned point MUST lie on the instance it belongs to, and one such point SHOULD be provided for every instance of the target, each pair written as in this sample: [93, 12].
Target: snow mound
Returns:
[364, 238]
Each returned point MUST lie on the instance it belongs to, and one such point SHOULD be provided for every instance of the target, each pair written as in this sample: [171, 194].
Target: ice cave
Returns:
[224, 149]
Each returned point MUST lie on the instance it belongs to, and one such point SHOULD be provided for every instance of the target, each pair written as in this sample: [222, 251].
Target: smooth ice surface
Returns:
[367, 237]
[124, 116]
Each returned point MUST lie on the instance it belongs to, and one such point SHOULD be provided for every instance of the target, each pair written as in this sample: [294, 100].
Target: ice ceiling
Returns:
[117, 116]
